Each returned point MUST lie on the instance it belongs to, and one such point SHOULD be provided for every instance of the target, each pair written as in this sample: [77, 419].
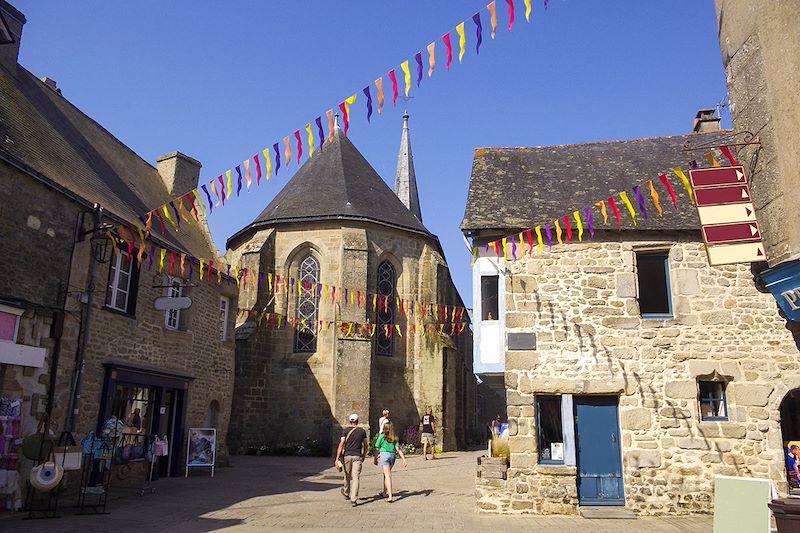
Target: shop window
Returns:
[305, 337]
[713, 401]
[123, 282]
[9, 323]
[224, 304]
[384, 319]
[655, 300]
[489, 301]
[549, 434]
[172, 317]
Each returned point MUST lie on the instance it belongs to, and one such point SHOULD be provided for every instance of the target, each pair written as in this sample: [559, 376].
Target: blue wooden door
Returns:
[599, 455]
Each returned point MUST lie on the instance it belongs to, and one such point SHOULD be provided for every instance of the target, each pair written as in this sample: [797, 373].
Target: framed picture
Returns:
[557, 451]
[201, 449]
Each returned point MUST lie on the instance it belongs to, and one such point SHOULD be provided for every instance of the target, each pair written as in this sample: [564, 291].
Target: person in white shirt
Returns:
[383, 420]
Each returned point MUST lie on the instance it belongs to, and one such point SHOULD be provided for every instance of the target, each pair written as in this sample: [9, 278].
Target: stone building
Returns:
[337, 224]
[66, 183]
[760, 48]
[634, 371]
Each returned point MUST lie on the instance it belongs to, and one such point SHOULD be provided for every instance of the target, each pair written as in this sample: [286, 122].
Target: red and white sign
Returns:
[727, 215]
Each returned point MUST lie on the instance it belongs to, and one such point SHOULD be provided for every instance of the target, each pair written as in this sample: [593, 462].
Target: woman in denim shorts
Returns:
[388, 447]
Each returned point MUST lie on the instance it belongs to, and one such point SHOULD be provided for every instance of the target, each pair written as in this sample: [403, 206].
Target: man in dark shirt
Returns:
[427, 425]
[353, 448]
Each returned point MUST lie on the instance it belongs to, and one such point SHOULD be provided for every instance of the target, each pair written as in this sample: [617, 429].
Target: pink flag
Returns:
[449, 49]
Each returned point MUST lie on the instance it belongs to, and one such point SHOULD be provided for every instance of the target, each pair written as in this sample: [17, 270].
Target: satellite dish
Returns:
[165, 303]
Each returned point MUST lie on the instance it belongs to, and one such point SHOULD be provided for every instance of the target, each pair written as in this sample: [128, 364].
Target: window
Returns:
[549, 434]
[172, 317]
[305, 337]
[713, 403]
[384, 318]
[9, 323]
[489, 297]
[123, 281]
[223, 318]
[654, 289]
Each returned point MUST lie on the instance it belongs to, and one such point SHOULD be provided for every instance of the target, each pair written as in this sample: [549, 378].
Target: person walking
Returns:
[352, 448]
[427, 426]
[383, 420]
[388, 447]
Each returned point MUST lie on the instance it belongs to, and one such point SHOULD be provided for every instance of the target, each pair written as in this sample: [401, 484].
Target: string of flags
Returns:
[584, 219]
[350, 329]
[312, 137]
[183, 265]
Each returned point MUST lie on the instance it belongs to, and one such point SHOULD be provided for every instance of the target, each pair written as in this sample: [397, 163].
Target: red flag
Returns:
[727, 152]
[449, 49]
[258, 169]
[613, 205]
[510, 13]
[345, 118]
[670, 190]
[393, 77]
[568, 227]
[299, 145]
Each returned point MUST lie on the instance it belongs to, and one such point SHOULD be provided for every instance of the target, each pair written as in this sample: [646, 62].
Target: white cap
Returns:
[354, 418]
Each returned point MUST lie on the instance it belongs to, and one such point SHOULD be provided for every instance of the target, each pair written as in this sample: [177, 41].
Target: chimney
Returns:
[180, 172]
[11, 22]
[50, 82]
[705, 121]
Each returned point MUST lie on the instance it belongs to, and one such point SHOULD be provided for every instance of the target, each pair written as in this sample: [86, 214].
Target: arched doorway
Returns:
[790, 432]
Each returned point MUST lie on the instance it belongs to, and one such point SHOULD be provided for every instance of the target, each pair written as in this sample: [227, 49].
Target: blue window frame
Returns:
[713, 401]
[549, 433]
[655, 295]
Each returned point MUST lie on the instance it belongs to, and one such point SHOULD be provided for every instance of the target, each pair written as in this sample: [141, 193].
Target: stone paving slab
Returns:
[292, 493]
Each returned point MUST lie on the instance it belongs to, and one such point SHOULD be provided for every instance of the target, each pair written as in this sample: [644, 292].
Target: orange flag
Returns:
[431, 58]
[379, 85]
[491, 7]
[654, 196]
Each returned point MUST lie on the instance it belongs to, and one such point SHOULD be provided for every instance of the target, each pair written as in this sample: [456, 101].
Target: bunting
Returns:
[476, 18]
[393, 77]
[431, 58]
[510, 13]
[406, 76]
[369, 102]
[670, 190]
[462, 41]
[418, 60]
[654, 196]
[448, 47]
[379, 86]
[624, 196]
[491, 7]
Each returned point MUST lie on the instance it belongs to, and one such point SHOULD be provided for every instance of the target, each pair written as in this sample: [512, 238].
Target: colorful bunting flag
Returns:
[589, 220]
[222, 189]
[568, 229]
[624, 196]
[448, 47]
[539, 242]
[527, 10]
[462, 41]
[257, 162]
[637, 190]
[679, 172]
[614, 208]
[299, 145]
[229, 192]
[287, 150]
[418, 59]
[379, 85]
[369, 101]
[310, 136]
[530, 242]
[277, 158]
[331, 125]
[393, 77]
[578, 224]
[712, 159]
[510, 13]
[726, 151]
[558, 231]
[321, 134]
[548, 233]
[655, 198]
[350, 100]
[268, 162]
[208, 196]
[491, 7]
[238, 179]
[431, 58]
[248, 176]
[476, 18]
[602, 205]
[407, 75]
[670, 190]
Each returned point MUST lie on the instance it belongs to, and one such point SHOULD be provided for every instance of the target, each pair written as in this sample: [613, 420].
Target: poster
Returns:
[792, 458]
[201, 448]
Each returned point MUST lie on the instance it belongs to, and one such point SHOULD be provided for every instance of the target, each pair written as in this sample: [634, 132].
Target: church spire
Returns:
[405, 181]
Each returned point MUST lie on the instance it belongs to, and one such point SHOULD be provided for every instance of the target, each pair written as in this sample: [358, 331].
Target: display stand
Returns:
[96, 476]
[201, 449]
[50, 509]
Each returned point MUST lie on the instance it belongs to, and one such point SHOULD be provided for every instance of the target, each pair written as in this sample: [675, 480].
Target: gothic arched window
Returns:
[384, 319]
[305, 336]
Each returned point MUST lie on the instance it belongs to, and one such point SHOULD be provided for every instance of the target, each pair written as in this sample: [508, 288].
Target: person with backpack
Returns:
[352, 450]
[388, 447]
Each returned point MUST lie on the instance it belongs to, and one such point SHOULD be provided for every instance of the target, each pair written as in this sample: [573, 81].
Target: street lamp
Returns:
[100, 246]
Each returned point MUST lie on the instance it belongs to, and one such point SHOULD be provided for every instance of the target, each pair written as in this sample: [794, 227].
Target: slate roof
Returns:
[519, 188]
[46, 135]
[336, 184]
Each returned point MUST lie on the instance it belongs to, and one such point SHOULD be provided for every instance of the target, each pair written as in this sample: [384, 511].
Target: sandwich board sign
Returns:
[727, 216]
[201, 449]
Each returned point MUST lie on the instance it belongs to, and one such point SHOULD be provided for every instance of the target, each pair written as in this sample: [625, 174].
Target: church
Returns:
[348, 307]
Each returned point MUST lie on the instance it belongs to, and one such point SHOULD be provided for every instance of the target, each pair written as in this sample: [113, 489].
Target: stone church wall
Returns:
[581, 302]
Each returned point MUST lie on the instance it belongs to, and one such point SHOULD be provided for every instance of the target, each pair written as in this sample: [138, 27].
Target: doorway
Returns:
[599, 457]
[790, 434]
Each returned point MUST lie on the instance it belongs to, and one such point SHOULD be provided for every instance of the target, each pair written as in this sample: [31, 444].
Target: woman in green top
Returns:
[388, 447]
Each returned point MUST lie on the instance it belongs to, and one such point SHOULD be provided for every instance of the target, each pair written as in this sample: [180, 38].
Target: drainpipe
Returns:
[75, 399]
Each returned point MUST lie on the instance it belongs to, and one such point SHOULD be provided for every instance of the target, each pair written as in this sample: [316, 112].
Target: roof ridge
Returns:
[568, 145]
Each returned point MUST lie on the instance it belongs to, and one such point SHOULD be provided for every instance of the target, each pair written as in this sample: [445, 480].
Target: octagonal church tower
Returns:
[334, 237]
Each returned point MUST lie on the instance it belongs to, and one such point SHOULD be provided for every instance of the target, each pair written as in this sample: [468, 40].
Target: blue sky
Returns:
[220, 82]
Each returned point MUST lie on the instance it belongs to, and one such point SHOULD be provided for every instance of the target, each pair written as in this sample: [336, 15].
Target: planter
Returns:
[492, 467]
[787, 515]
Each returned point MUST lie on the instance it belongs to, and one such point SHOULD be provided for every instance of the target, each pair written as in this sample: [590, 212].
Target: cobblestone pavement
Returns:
[292, 493]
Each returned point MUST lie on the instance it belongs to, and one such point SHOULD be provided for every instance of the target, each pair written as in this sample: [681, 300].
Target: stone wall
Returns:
[581, 302]
[318, 391]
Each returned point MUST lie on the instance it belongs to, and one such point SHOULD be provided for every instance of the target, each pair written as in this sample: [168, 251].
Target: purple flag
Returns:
[476, 18]
[549, 236]
[638, 191]
[513, 247]
[321, 133]
[545, 4]
[177, 215]
[238, 180]
[277, 158]
[418, 59]
[589, 220]
[369, 102]
[210, 203]
[694, 164]
[191, 266]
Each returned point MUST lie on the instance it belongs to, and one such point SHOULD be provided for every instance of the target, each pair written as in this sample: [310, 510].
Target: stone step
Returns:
[606, 512]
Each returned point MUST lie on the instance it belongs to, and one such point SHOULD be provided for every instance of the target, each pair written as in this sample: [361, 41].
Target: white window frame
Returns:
[15, 312]
[113, 287]
[224, 308]
[172, 317]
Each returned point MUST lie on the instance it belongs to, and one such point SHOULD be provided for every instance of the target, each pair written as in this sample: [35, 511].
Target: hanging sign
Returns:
[201, 449]
[784, 283]
[167, 303]
[727, 215]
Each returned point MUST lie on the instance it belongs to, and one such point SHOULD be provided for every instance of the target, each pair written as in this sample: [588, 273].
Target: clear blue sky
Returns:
[220, 81]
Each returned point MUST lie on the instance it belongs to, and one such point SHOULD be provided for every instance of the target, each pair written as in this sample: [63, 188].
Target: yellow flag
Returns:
[579, 223]
[629, 205]
[348, 102]
[202, 265]
[505, 248]
[654, 196]
[539, 238]
[522, 243]
[203, 207]
[165, 210]
[558, 231]
[462, 41]
[310, 140]
[474, 257]
[678, 172]
[230, 184]
[268, 170]
[161, 262]
[407, 73]
[527, 10]
[602, 205]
